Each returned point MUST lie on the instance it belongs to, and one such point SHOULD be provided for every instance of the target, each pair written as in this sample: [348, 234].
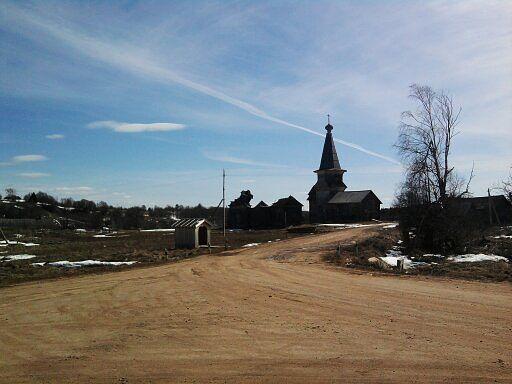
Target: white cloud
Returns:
[28, 158]
[33, 175]
[55, 136]
[237, 160]
[135, 127]
[74, 189]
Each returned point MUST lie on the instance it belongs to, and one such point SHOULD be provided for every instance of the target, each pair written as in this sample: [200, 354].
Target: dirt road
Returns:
[271, 313]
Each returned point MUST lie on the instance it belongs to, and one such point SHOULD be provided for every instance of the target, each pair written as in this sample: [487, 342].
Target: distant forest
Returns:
[70, 213]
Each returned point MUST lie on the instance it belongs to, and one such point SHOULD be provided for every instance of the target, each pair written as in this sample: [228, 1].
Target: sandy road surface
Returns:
[245, 318]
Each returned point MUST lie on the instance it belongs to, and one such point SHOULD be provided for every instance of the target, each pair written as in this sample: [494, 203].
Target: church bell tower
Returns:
[329, 178]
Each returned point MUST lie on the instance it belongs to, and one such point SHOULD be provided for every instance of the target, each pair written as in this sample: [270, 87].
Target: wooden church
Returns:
[329, 201]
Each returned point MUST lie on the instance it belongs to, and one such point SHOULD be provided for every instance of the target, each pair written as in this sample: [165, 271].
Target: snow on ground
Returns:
[84, 263]
[250, 245]
[16, 257]
[433, 255]
[474, 258]
[80, 230]
[158, 230]
[3, 244]
[503, 237]
[395, 254]
[357, 225]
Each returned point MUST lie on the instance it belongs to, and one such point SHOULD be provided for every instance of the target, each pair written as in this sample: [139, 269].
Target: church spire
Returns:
[329, 155]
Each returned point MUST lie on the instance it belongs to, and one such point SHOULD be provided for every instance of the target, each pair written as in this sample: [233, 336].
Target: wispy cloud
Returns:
[55, 136]
[117, 126]
[77, 190]
[237, 160]
[34, 175]
[131, 59]
[28, 158]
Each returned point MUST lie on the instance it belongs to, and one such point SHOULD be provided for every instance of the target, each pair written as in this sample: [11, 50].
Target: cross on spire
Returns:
[328, 127]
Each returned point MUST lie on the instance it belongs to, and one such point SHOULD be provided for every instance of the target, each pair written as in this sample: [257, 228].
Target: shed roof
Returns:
[349, 197]
[190, 223]
[290, 200]
[261, 204]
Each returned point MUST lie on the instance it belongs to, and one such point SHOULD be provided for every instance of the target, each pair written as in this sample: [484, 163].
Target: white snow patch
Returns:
[38, 264]
[16, 257]
[357, 225]
[395, 254]
[3, 244]
[80, 230]
[84, 263]
[250, 245]
[474, 258]
[503, 237]
[433, 255]
[158, 230]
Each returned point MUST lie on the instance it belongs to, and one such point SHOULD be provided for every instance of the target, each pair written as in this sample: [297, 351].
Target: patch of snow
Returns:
[3, 244]
[250, 245]
[358, 225]
[503, 237]
[38, 264]
[158, 230]
[16, 257]
[474, 258]
[84, 263]
[433, 255]
[80, 230]
[395, 254]
[18, 235]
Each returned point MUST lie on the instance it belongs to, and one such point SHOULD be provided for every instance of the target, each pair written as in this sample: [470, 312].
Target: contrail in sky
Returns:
[132, 61]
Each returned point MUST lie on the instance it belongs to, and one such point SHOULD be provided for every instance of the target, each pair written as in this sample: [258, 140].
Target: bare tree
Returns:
[425, 142]
[9, 192]
[507, 186]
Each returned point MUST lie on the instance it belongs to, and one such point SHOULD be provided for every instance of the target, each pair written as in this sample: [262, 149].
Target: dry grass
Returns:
[147, 248]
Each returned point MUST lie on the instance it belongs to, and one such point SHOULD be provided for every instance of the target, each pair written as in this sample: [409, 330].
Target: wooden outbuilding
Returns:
[192, 233]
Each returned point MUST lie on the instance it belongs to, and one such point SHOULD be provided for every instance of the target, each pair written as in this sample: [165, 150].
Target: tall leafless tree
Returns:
[425, 142]
[507, 186]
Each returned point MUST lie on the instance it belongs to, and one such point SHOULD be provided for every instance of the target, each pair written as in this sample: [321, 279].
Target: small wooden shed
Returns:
[192, 233]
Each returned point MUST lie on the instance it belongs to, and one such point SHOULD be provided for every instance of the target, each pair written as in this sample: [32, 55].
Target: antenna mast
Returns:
[224, 208]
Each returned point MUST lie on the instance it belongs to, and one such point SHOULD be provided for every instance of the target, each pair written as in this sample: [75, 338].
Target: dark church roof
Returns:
[329, 155]
[261, 204]
[348, 197]
[290, 200]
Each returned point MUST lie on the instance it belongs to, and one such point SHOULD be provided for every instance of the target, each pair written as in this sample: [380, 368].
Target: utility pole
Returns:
[490, 209]
[224, 207]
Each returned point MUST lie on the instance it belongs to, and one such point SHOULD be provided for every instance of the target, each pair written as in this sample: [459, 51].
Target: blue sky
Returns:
[145, 102]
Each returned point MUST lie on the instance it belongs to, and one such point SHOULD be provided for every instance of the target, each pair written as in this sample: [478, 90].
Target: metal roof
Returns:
[190, 223]
[348, 197]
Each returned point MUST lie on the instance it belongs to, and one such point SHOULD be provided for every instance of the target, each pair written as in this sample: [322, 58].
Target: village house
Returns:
[283, 213]
[329, 201]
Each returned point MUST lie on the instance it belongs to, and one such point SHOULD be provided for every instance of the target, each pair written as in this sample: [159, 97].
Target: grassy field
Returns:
[145, 248]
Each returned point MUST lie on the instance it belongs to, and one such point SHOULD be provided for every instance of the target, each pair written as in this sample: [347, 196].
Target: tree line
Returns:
[85, 213]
